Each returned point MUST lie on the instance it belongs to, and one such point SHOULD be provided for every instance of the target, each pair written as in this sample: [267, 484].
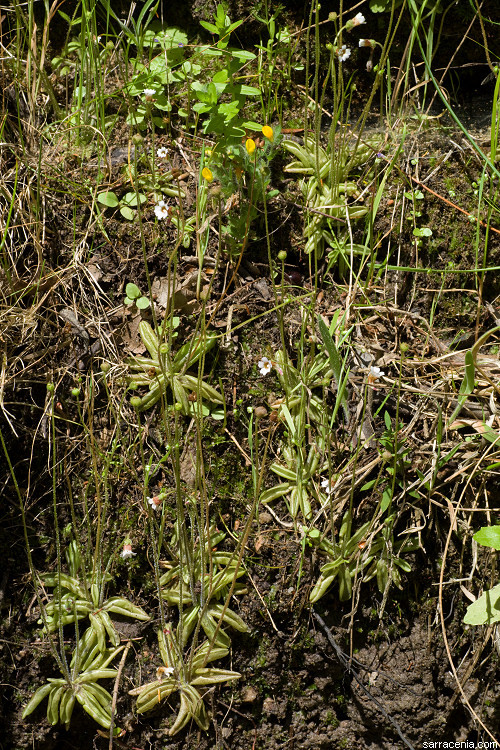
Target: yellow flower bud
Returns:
[268, 132]
[250, 145]
[207, 174]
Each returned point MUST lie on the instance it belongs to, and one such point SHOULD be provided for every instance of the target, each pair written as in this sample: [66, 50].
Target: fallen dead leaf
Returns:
[131, 338]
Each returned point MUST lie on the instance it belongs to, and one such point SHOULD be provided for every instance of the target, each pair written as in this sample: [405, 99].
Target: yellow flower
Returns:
[207, 174]
[268, 132]
[250, 145]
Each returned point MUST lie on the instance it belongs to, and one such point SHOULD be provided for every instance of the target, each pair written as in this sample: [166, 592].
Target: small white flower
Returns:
[127, 552]
[365, 43]
[149, 92]
[99, 39]
[375, 373]
[358, 19]
[162, 152]
[162, 210]
[343, 53]
[163, 673]
[155, 502]
[325, 484]
[369, 65]
[265, 366]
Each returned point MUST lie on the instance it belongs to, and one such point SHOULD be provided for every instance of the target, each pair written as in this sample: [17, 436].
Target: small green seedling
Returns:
[127, 204]
[486, 609]
[423, 232]
[135, 297]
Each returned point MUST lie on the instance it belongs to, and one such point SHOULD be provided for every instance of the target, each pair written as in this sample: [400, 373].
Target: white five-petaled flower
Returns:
[127, 551]
[149, 92]
[162, 210]
[365, 43]
[375, 373]
[265, 366]
[358, 19]
[155, 502]
[343, 53]
[162, 152]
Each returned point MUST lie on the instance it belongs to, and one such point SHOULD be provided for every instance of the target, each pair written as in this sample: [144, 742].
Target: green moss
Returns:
[331, 719]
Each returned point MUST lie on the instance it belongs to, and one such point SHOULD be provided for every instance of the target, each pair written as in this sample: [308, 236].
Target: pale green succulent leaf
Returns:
[55, 696]
[91, 705]
[97, 674]
[38, 697]
[211, 676]
[230, 617]
[192, 707]
[149, 694]
[52, 580]
[321, 587]
[122, 606]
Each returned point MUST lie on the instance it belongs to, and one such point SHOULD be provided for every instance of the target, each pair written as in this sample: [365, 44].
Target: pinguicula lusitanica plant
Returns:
[185, 674]
[327, 183]
[88, 666]
[77, 595]
[305, 386]
[202, 594]
[80, 594]
[330, 175]
[164, 370]
[364, 553]
[330, 200]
